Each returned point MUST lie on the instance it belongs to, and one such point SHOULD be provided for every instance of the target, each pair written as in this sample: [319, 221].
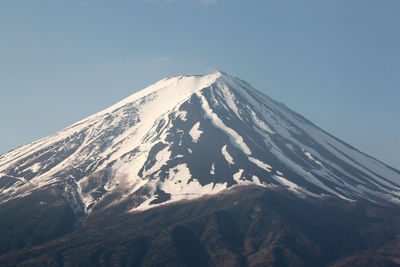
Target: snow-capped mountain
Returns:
[188, 136]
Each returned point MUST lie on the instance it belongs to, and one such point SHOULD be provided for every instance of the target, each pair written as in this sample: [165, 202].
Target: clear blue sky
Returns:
[335, 62]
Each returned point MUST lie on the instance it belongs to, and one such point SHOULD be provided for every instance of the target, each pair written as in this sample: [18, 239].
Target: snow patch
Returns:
[261, 164]
[181, 114]
[310, 157]
[227, 156]
[292, 186]
[238, 175]
[195, 132]
[242, 181]
[256, 180]
[261, 123]
[212, 171]
[35, 167]
[161, 158]
[181, 185]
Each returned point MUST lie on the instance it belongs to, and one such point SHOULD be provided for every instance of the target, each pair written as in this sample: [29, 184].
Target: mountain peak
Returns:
[172, 88]
[220, 73]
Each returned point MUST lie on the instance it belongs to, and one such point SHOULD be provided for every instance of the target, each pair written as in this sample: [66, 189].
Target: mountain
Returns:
[187, 136]
[186, 140]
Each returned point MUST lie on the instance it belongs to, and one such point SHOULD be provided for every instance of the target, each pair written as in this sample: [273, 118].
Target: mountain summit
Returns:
[189, 136]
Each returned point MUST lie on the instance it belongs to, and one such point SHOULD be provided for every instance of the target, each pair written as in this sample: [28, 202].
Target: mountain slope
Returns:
[188, 136]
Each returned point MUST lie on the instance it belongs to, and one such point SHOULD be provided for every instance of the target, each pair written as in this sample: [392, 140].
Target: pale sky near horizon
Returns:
[335, 62]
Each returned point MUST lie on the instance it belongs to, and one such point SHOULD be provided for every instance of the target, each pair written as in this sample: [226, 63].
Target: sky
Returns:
[335, 62]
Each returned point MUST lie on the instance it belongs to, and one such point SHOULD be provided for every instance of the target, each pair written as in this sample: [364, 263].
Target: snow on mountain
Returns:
[188, 136]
